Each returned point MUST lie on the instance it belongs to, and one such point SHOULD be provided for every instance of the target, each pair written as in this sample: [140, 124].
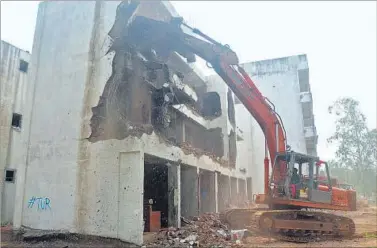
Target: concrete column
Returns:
[223, 192]
[178, 191]
[174, 174]
[234, 190]
[130, 202]
[249, 183]
[217, 174]
[198, 190]
[189, 191]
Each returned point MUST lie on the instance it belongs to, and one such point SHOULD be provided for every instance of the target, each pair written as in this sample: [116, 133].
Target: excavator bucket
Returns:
[144, 30]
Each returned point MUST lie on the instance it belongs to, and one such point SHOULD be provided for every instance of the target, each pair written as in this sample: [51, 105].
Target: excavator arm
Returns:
[176, 35]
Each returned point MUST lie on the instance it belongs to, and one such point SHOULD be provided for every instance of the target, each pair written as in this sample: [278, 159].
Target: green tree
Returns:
[356, 146]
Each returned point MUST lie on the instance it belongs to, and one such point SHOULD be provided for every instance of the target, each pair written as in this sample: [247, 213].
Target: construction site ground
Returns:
[204, 231]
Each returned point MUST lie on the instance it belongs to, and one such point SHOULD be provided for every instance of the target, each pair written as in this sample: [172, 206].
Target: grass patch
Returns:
[371, 235]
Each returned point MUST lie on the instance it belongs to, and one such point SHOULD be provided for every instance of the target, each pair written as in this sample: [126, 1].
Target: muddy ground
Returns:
[365, 220]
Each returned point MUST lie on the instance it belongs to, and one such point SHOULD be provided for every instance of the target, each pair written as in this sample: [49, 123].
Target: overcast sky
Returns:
[339, 39]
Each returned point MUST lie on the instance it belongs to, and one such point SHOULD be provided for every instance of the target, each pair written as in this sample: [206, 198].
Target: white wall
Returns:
[60, 65]
[13, 142]
[277, 79]
[250, 155]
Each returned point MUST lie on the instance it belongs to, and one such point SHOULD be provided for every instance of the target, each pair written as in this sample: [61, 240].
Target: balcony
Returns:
[239, 133]
[306, 104]
[303, 79]
[306, 97]
[308, 122]
[310, 132]
[311, 137]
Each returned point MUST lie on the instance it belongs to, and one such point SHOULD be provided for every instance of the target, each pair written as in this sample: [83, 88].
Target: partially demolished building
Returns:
[112, 132]
[116, 143]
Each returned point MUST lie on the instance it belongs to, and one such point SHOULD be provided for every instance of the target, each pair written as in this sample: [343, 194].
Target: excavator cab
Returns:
[296, 176]
[303, 181]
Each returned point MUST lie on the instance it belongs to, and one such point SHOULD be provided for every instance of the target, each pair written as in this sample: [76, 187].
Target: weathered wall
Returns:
[225, 121]
[55, 132]
[86, 186]
[245, 153]
[14, 90]
[277, 79]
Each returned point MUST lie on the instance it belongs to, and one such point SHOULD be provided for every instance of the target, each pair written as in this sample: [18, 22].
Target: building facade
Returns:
[285, 82]
[111, 131]
[13, 126]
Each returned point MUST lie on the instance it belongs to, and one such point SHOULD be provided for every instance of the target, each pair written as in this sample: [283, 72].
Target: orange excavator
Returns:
[286, 191]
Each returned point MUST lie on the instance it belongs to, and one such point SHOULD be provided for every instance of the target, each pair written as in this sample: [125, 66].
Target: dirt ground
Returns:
[365, 220]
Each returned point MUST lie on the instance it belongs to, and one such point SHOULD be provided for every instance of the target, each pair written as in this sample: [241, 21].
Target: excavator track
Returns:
[291, 225]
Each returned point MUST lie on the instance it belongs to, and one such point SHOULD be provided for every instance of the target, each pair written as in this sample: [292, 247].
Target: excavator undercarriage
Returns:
[290, 225]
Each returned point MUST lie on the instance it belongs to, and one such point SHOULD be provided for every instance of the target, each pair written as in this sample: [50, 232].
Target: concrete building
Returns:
[13, 126]
[285, 82]
[109, 129]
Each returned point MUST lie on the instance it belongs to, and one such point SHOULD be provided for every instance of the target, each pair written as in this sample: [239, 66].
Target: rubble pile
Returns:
[204, 231]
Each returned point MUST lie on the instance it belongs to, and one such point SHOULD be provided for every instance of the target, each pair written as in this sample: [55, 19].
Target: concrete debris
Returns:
[204, 231]
[189, 149]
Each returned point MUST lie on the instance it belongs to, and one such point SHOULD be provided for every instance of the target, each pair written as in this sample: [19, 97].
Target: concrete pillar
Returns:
[249, 183]
[234, 190]
[189, 191]
[241, 191]
[198, 191]
[174, 174]
[178, 193]
[217, 174]
[131, 180]
[223, 192]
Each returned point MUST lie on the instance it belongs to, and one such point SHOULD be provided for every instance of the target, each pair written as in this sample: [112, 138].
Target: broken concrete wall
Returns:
[216, 84]
[93, 186]
[86, 188]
